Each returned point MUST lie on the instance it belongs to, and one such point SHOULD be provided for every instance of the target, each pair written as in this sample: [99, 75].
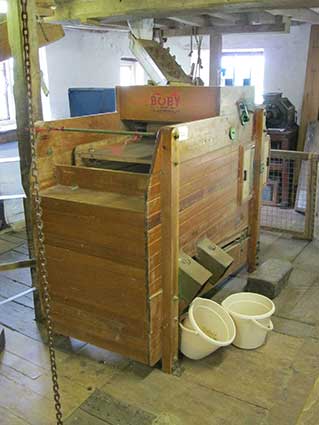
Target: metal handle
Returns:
[268, 328]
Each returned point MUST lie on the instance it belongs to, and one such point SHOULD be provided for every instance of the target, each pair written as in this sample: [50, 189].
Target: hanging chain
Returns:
[42, 263]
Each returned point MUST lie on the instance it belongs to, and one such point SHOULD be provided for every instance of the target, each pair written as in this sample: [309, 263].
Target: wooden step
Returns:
[80, 195]
[125, 183]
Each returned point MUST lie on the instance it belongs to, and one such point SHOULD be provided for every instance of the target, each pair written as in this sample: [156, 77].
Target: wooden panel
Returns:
[110, 233]
[70, 321]
[56, 147]
[94, 198]
[197, 139]
[156, 309]
[229, 97]
[97, 286]
[102, 180]
[167, 104]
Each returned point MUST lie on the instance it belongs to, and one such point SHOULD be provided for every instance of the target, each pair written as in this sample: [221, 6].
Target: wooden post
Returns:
[255, 202]
[21, 103]
[2, 339]
[170, 248]
[311, 197]
[310, 106]
[215, 58]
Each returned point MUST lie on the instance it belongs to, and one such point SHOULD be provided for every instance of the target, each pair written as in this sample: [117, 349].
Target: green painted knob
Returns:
[232, 133]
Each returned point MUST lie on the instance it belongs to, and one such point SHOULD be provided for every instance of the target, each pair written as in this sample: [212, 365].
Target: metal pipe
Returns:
[96, 131]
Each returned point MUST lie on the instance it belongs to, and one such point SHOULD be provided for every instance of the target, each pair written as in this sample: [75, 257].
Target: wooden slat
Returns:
[94, 198]
[282, 154]
[102, 180]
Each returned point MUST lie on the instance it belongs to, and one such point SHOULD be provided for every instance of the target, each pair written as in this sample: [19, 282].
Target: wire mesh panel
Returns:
[287, 197]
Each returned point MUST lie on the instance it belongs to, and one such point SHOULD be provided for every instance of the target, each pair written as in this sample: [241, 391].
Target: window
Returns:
[241, 65]
[131, 73]
[7, 105]
[238, 65]
[7, 110]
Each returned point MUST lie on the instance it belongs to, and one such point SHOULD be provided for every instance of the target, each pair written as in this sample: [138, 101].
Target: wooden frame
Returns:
[311, 184]
[126, 228]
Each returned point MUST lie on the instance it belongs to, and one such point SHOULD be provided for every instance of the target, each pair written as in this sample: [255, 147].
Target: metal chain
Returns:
[35, 189]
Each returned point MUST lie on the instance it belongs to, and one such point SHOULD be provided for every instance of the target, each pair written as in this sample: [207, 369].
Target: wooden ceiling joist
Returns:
[231, 29]
[114, 10]
[302, 15]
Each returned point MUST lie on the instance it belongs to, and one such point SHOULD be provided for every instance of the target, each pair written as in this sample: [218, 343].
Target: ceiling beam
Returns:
[115, 10]
[231, 29]
[228, 17]
[193, 21]
[302, 15]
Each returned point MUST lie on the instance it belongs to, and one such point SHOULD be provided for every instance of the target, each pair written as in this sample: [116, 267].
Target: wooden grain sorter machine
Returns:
[146, 208]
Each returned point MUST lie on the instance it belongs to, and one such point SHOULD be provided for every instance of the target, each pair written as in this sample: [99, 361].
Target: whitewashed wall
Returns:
[92, 59]
[83, 59]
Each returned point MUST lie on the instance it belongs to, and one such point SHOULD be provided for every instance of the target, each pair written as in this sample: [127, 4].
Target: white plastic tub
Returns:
[207, 328]
[252, 316]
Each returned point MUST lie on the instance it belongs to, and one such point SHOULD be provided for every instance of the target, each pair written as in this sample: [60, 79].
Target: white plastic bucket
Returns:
[252, 316]
[207, 328]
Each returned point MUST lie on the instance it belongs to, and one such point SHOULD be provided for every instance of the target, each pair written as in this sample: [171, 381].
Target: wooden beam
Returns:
[228, 17]
[302, 15]
[310, 106]
[15, 32]
[115, 10]
[8, 136]
[46, 34]
[193, 21]
[231, 29]
[215, 58]
[2, 339]
[170, 248]
[255, 202]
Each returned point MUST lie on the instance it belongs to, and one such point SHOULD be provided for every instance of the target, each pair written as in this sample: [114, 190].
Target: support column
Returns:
[215, 58]
[255, 202]
[310, 105]
[15, 33]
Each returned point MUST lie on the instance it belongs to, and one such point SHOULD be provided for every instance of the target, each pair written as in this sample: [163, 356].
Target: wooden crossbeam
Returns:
[302, 14]
[232, 29]
[114, 10]
[17, 265]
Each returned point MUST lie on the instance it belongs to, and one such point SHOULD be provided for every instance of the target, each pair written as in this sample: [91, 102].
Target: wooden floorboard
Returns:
[9, 288]
[269, 385]
[115, 412]
[19, 318]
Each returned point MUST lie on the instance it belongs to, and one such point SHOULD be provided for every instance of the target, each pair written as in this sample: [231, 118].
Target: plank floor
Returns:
[278, 384]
